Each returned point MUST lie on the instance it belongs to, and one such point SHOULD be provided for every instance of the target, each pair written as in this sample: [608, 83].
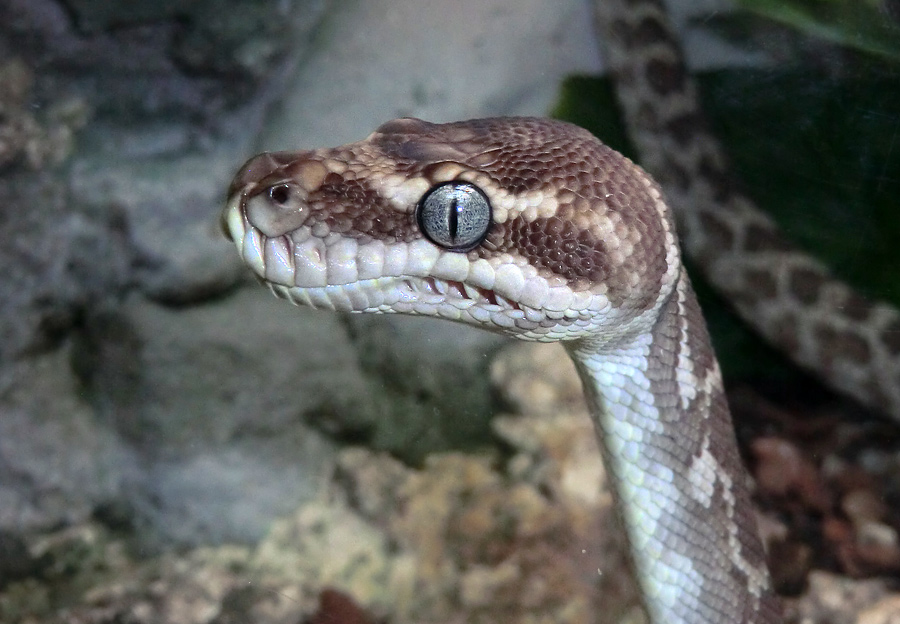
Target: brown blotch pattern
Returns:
[350, 207]
[520, 155]
[646, 33]
[665, 78]
[787, 331]
[720, 234]
[633, 47]
[891, 338]
[856, 307]
[649, 32]
[681, 331]
[698, 341]
[762, 238]
[559, 246]
[837, 345]
[721, 182]
[806, 285]
[684, 128]
[761, 283]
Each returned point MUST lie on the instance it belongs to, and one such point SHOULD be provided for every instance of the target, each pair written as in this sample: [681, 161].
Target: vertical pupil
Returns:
[453, 219]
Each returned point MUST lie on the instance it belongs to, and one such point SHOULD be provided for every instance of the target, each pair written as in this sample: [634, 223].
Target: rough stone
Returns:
[477, 538]
[58, 462]
[219, 402]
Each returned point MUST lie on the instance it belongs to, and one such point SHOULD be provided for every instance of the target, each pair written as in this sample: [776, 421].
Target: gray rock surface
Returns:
[58, 460]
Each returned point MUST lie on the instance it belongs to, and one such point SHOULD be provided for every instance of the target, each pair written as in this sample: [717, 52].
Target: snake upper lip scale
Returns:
[543, 233]
[411, 294]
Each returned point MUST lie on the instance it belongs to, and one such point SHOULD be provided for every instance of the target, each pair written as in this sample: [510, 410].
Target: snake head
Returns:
[527, 226]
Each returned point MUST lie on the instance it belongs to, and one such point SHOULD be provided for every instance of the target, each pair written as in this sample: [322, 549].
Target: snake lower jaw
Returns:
[437, 298]
[430, 296]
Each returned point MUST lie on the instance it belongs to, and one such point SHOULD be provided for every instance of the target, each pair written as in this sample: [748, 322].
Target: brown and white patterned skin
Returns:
[789, 297]
[581, 249]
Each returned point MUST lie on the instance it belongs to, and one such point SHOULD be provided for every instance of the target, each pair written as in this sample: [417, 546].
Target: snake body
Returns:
[536, 229]
[787, 296]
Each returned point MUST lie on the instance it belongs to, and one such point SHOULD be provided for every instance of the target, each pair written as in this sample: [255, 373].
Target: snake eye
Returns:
[454, 215]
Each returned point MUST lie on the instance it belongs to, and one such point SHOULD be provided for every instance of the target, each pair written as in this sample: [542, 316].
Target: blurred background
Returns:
[176, 445]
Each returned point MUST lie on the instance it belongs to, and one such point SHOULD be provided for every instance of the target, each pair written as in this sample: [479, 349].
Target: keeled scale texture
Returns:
[582, 249]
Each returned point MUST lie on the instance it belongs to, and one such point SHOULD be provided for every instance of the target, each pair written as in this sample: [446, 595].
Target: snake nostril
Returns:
[278, 208]
[280, 194]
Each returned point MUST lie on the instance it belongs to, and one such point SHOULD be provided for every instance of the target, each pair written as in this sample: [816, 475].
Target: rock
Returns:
[479, 538]
[57, 461]
[835, 599]
[886, 611]
[58, 261]
[16, 562]
[433, 379]
[218, 402]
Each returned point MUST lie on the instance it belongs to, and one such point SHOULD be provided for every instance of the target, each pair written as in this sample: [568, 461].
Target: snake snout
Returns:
[274, 188]
[258, 168]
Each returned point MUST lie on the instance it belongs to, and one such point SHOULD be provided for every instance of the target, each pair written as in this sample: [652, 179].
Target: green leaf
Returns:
[865, 25]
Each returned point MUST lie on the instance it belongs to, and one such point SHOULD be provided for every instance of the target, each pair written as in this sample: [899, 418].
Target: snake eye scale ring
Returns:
[454, 215]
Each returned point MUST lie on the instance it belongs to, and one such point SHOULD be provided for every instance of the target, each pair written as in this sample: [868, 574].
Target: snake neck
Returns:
[660, 412]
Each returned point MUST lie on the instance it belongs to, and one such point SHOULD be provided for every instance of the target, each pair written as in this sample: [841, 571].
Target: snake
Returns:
[536, 229]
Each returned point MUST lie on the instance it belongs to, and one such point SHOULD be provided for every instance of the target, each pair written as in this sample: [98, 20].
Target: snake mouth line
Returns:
[451, 288]
[300, 271]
